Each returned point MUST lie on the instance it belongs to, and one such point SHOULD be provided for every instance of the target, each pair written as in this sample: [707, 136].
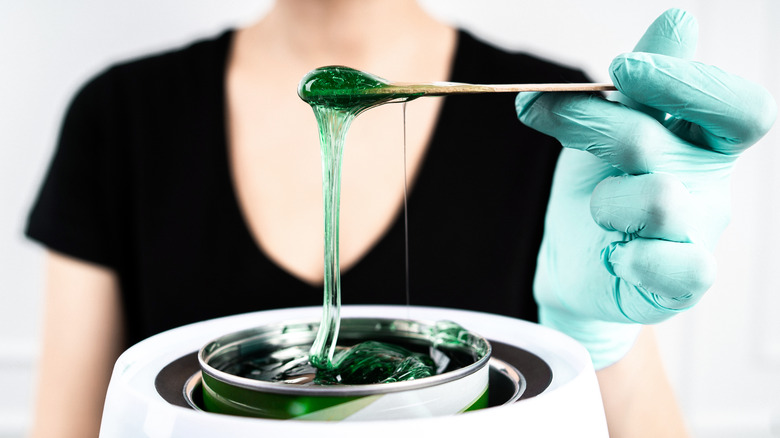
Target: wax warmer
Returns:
[541, 382]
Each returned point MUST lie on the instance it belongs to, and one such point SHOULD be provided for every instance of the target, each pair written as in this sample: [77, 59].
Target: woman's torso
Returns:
[152, 137]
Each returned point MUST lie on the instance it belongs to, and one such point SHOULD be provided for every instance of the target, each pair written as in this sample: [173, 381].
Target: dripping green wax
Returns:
[337, 95]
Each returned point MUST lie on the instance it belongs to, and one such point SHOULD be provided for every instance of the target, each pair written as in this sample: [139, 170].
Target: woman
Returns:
[196, 173]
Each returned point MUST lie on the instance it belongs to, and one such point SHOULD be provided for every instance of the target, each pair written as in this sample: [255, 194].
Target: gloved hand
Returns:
[640, 199]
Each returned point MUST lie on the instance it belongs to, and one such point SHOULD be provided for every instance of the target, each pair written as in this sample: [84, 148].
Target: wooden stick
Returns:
[444, 88]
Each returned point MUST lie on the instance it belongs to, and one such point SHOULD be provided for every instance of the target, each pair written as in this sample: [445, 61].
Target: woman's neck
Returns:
[350, 32]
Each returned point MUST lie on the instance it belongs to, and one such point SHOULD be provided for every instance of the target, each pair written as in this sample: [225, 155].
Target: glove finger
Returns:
[628, 140]
[655, 205]
[727, 113]
[673, 33]
[663, 277]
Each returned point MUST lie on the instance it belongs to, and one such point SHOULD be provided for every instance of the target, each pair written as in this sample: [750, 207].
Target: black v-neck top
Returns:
[140, 183]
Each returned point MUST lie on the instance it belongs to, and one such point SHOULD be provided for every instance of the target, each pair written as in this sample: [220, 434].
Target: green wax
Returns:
[337, 95]
[376, 362]
[367, 362]
[333, 125]
[348, 90]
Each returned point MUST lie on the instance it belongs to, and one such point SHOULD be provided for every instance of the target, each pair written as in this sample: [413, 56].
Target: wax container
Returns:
[462, 386]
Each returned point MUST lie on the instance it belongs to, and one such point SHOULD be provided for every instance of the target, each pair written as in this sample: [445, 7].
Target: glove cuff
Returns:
[607, 342]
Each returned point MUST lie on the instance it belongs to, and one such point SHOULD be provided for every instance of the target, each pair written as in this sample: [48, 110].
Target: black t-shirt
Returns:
[140, 183]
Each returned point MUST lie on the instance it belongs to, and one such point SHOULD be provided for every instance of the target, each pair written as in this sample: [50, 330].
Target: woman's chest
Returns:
[275, 162]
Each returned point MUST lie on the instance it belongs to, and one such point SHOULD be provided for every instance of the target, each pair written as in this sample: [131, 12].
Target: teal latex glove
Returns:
[639, 198]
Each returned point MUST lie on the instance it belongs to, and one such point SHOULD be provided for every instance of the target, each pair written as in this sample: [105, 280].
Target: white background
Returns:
[723, 357]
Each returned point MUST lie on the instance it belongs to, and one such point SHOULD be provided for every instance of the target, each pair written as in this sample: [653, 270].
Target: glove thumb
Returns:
[674, 33]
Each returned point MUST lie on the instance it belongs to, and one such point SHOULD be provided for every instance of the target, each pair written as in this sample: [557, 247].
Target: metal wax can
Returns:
[461, 387]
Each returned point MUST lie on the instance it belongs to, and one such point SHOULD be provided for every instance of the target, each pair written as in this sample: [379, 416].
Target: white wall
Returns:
[723, 357]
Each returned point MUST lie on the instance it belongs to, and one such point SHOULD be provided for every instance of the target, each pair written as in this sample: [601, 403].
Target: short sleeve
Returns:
[72, 212]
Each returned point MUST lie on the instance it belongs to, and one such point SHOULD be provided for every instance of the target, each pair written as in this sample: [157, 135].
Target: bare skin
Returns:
[82, 339]
[276, 170]
[637, 396]
[276, 175]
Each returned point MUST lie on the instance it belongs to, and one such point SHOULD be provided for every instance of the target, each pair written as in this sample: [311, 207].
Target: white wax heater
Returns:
[542, 383]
